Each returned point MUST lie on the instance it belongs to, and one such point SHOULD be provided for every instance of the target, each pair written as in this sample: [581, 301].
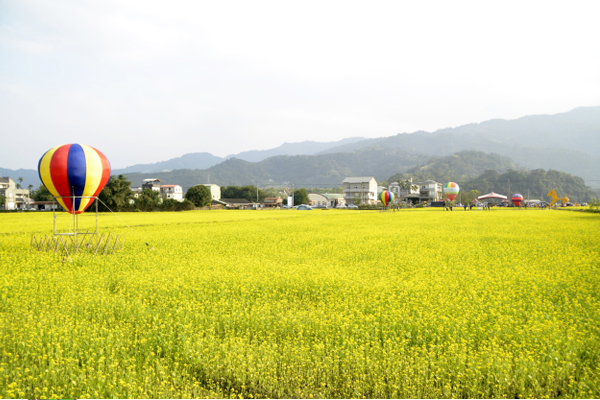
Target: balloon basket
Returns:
[76, 238]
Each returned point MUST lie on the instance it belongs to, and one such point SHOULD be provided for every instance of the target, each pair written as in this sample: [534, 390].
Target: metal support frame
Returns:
[75, 217]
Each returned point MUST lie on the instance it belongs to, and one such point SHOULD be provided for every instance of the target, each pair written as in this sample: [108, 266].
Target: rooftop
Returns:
[358, 179]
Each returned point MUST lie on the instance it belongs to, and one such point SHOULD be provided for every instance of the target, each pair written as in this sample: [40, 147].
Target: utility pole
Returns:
[293, 196]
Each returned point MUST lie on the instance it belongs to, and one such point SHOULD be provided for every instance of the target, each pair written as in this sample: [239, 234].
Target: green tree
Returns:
[300, 196]
[18, 185]
[116, 195]
[148, 200]
[42, 194]
[2, 200]
[199, 195]
[243, 192]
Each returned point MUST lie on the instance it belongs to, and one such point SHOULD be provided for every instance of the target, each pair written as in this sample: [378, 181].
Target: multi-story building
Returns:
[430, 191]
[174, 192]
[14, 198]
[405, 191]
[417, 192]
[360, 190]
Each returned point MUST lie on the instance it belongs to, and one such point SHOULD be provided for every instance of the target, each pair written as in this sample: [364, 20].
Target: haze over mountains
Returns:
[568, 142]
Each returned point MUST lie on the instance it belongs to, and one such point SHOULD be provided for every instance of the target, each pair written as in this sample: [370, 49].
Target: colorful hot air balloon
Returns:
[74, 170]
[451, 190]
[386, 197]
[517, 199]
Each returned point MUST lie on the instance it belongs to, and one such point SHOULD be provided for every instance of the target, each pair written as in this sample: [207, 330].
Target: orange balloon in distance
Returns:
[74, 170]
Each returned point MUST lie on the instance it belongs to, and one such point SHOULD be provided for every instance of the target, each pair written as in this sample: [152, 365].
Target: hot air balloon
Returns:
[74, 174]
[451, 190]
[386, 197]
[517, 199]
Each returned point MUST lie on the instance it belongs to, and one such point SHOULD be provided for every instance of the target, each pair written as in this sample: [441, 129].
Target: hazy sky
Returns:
[145, 81]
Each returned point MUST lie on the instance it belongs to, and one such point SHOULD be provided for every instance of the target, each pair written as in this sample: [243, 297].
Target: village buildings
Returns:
[15, 198]
[360, 190]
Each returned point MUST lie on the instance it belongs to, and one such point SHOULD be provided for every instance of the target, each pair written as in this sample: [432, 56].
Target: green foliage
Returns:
[116, 195]
[459, 167]
[42, 194]
[594, 204]
[148, 200]
[199, 195]
[2, 200]
[326, 170]
[300, 196]
[243, 192]
[175, 205]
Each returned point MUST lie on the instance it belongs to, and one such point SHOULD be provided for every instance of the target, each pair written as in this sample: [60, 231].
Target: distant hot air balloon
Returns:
[386, 197]
[451, 190]
[74, 170]
[517, 199]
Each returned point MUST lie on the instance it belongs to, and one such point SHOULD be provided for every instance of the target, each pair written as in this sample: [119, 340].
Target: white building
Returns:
[14, 198]
[317, 199]
[215, 190]
[174, 192]
[405, 194]
[430, 191]
[360, 190]
[417, 192]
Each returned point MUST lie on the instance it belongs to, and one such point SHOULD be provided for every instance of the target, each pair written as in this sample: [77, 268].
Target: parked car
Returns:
[304, 207]
[340, 206]
[353, 206]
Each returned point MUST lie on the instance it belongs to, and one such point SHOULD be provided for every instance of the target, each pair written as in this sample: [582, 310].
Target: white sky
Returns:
[145, 81]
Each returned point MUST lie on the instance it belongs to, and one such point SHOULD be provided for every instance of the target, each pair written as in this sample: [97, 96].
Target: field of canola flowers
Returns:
[314, 304]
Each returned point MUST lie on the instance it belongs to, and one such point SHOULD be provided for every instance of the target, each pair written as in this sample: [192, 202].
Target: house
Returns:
[411, 193]
[360, 190]
[46, 206]
[273, 202]
[174, 192]
[215, 190]
[335, 200]
[15, 198]
[317, 199]
[426, 191]
[430, 191]
[152, 183]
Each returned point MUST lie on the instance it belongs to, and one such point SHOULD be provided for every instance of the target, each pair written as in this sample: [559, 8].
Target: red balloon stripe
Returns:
[58, 166]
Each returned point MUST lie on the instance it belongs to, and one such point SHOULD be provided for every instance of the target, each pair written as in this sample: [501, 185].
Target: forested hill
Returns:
[474, 170]
[303, 171]
[462, 166]
[567, 142]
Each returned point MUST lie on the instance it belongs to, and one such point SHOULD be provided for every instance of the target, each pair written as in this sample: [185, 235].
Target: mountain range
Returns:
[568, 142]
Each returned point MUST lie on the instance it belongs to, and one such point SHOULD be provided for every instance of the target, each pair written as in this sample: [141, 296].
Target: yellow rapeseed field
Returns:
[312, 304]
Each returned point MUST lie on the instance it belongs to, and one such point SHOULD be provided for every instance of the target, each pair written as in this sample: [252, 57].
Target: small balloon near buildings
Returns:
[386, 197]
[74, 174]
[451, 190]
[517, 199]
